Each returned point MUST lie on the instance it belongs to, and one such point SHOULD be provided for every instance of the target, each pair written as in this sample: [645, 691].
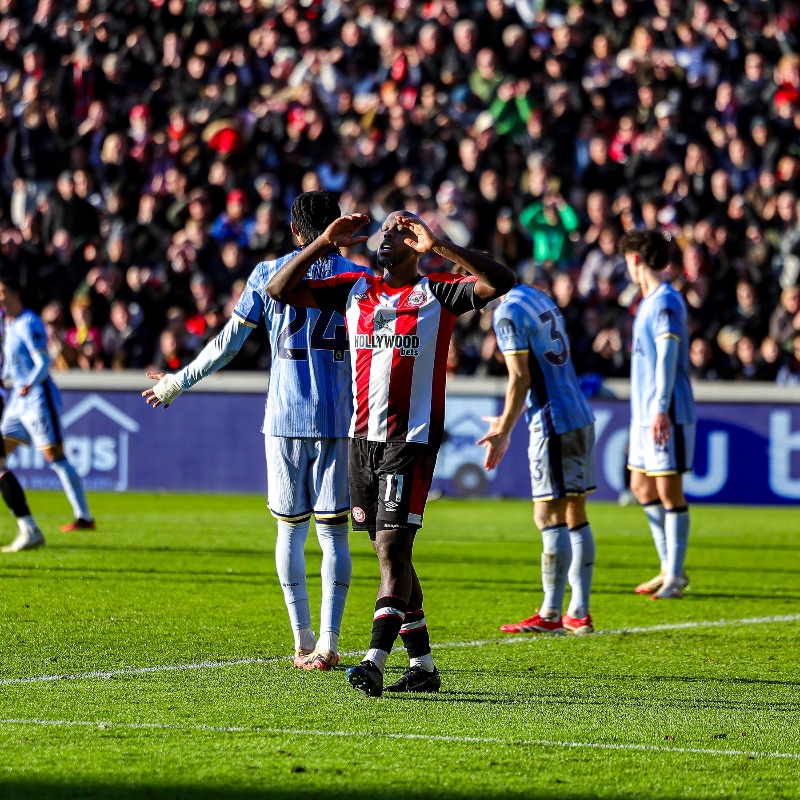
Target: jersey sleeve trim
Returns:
[451, 277]
[515, 352]
[669, 335]
[243, 320]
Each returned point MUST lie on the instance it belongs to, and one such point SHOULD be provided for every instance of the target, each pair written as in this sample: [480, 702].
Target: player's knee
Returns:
[333, 522]
[393, 552]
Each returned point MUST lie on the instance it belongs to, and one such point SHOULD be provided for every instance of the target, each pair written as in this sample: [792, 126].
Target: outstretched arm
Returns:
[498, 436]
[215, 355]
[494, 278]
[287, 285]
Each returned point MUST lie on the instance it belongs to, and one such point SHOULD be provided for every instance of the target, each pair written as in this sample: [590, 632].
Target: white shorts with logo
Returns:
[306, 476]
[34, 419]
[562, 465]
[673, 458]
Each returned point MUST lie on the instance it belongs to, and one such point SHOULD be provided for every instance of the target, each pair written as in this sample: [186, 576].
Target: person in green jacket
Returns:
[550, 223]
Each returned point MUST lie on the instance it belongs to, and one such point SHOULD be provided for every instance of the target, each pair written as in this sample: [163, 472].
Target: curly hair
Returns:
[652, 247]
[312, 212]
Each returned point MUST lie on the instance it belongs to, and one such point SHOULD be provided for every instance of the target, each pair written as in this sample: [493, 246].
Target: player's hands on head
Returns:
[164, 392]
[424, 239]
[340, 231]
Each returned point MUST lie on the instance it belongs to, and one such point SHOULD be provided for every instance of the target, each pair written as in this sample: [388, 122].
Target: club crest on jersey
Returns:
[416, 298]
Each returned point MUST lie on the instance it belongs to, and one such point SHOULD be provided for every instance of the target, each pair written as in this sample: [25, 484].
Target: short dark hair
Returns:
[651, 246]
[11, 282]
[312, 212]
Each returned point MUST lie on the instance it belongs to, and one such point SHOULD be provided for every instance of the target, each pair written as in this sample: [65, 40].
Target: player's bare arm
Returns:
[494, 278]
[288, 285]
[498, 437]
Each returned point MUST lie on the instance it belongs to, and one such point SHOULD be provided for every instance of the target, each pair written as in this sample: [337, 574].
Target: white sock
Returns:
[73, 487]
[655, 516]
[328, 642]
[291, 564]
[677, 531]
[581, 570]
[337, 569]
[556, 557]
[423, 662]
[304, 637]
[378, 658]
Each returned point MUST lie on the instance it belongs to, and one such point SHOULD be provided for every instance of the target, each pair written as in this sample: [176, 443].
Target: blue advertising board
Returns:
[212, 442]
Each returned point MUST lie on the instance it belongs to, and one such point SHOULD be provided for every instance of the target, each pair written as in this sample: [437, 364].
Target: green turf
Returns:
[174, 581]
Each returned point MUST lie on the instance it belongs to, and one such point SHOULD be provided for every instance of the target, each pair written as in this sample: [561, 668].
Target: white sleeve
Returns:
[215, 355]
[666, 367]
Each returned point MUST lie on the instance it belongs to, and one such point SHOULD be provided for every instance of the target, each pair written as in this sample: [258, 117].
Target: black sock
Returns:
[13, 495]
[389, 614]
[414, 633]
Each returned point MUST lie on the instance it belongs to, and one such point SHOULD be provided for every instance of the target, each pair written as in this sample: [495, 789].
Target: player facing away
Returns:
[663, 413]
[400, 326]
[33, 413]
[28, 535]
[307, 416]
[542, 383]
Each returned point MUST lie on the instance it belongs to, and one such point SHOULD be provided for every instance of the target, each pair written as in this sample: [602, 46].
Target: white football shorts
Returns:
[35, 419]
[673, 458]
[306, 476]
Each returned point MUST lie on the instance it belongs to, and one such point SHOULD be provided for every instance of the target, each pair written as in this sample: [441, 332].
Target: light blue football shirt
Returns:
[310, 393]
[25, 353]
[528, 321]
[661, 313]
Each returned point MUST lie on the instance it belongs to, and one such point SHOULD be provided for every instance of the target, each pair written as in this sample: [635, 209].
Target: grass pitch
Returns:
[151, 659]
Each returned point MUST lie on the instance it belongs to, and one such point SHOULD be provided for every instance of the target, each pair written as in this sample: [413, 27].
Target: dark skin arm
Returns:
[288, 285]
[494, 278]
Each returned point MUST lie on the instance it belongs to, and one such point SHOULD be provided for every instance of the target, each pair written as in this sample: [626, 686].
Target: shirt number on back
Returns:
[337, 343]
[560, 356]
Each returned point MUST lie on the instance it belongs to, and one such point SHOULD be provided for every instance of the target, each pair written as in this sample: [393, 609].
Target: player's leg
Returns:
[666, 464]
[579, 467]
[41, 417]
[28, 536]
[644, 489]
[405, 473]
[331, 503]
[290, 504]
[676, 528]
[549, 514]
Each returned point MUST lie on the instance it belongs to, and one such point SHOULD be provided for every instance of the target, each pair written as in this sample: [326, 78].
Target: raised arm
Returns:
[215, 355]
[288, 286]
[494, 278]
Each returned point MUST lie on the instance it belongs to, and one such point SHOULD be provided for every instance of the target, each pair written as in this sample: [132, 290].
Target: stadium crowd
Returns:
[150, 151]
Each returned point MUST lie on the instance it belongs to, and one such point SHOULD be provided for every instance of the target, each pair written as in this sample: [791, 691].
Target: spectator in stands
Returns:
[683, 116]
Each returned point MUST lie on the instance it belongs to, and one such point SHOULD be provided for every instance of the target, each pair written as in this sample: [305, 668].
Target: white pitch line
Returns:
[648, 748]
[130, 671]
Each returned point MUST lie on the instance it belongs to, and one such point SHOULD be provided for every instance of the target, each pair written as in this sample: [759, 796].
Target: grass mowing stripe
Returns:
[648, 748]
[109, 674]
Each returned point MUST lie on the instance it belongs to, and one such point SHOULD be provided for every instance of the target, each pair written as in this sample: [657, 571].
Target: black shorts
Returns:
[389, 483]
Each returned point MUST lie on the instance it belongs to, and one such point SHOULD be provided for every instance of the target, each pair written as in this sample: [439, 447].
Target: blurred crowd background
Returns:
[150, 151]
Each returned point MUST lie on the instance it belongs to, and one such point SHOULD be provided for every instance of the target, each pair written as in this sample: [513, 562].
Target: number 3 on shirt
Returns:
[553, 321]
[319, 341]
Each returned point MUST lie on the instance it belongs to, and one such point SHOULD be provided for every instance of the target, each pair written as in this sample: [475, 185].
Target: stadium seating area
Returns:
[150, 150]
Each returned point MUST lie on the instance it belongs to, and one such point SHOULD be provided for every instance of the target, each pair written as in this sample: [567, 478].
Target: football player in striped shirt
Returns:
[542, 383]
[307, 415]
[663, 416]
[399, 326]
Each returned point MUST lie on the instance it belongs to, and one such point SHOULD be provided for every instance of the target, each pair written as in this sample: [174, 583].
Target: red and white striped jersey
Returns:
[399, 340]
